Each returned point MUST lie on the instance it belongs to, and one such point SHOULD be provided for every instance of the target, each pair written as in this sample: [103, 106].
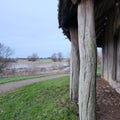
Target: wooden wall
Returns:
[111, 51]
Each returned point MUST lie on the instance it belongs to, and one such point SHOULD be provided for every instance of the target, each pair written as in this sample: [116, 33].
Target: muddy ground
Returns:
[108, 102]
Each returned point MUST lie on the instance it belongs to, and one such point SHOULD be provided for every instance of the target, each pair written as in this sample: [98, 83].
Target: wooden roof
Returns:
[67, 15]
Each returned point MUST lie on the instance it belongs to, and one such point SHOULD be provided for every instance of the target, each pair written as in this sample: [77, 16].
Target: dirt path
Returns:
[13, 85]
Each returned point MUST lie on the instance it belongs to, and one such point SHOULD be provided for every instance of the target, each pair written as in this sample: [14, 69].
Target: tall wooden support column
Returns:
[75, 65]
[87, 46]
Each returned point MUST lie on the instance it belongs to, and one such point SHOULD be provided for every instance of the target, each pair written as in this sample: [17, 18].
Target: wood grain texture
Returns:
[87, 46]
[75, 65]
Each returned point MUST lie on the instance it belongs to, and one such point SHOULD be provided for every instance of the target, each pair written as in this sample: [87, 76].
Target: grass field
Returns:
[48, 100]
[19, 78]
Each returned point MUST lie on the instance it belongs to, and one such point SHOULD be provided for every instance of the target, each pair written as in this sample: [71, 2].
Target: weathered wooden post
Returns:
[87, 46]
[75, 63]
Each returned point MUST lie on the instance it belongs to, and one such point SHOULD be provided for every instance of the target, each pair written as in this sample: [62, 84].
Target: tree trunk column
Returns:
[75, 65]
[87, 47]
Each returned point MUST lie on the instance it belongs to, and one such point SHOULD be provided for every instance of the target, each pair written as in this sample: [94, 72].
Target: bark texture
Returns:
[87, 46]
[75, 65]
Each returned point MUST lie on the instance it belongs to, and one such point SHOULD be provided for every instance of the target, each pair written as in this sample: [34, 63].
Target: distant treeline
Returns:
[27, 58]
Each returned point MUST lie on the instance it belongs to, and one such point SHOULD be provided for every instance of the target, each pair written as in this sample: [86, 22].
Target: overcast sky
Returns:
[31, 26]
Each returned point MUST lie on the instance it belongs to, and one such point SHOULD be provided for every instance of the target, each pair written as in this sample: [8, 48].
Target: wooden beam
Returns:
[103, 7]
[75, 65]
[87, 47]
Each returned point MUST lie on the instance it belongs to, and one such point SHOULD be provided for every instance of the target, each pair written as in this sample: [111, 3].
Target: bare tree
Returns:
[33, 57]
[54, 57]
[5, 53]
[60, 57]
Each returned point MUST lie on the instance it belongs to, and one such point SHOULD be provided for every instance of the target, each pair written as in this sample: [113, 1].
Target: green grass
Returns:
[99, 71]
[19, 78]
[47, 100]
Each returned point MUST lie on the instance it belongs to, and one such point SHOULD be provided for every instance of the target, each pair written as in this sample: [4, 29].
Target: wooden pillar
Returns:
[87, 46]
[75, 65]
